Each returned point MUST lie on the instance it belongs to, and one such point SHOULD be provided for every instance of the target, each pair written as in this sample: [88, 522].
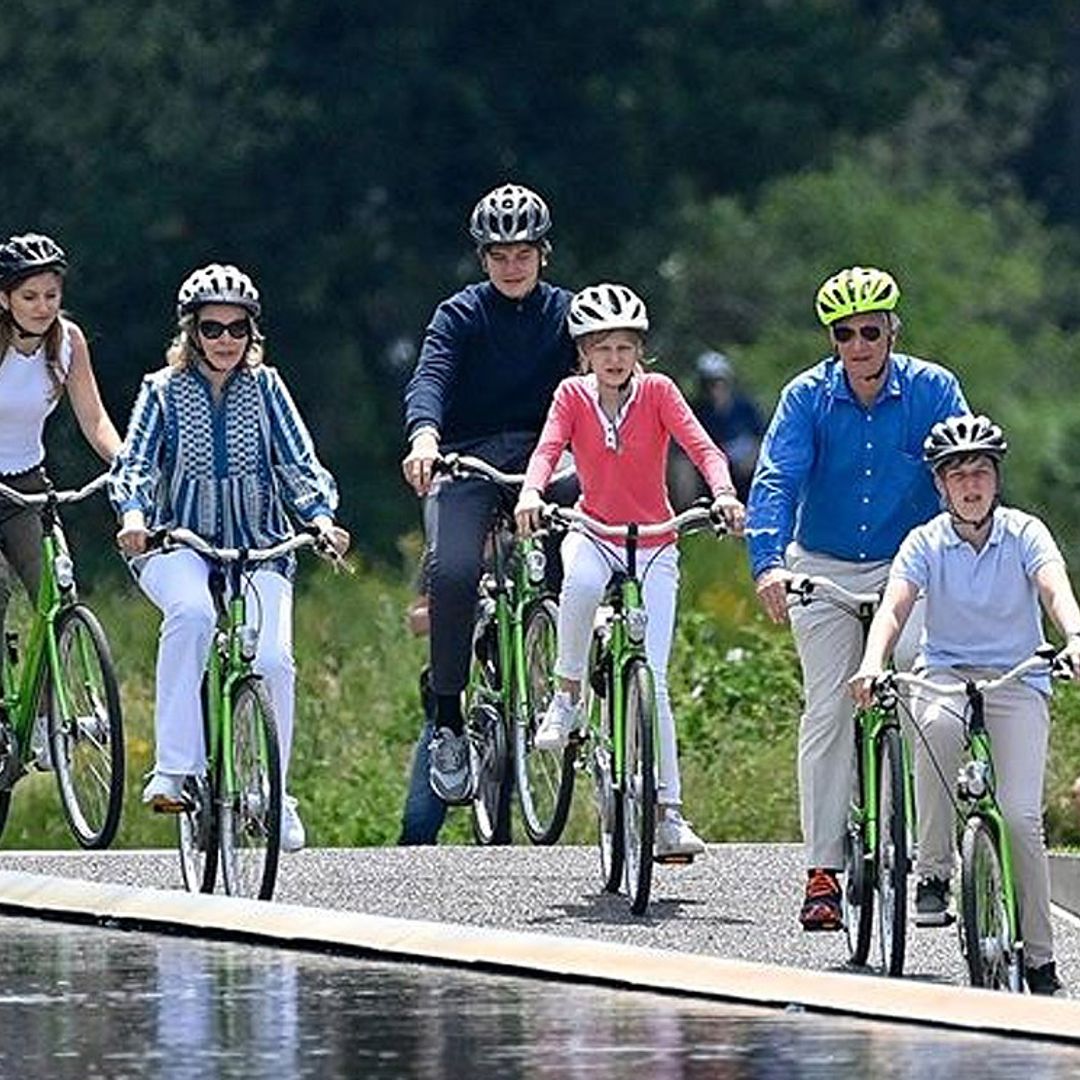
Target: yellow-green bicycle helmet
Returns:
[856, 290]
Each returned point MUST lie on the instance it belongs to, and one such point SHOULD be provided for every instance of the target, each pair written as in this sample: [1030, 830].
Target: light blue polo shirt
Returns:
[982, 607]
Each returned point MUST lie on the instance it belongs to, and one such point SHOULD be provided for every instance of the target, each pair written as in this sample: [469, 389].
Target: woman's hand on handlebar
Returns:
[727, 505]
[133, 535]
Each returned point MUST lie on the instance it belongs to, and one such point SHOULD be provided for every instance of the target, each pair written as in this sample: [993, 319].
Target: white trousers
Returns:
[586, 573]
[830, 646]
[1018, 720]
[177, 583]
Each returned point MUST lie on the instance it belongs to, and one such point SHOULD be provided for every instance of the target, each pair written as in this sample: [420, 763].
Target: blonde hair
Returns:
[54, 337]
[183, 350]
[583, 343]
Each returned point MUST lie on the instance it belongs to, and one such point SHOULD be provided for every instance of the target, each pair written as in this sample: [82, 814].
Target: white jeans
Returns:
[1018, 720]
[176, 582]
[830, 646]
[586, 573]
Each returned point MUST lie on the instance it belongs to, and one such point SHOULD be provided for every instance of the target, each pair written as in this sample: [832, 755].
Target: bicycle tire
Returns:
[545, 778]
[857, 892]
[606, 797]
[198, 828]
[250, 816]
[639, 783]
[87, 746]
[994, 958]
[489, 747]
[891, 857]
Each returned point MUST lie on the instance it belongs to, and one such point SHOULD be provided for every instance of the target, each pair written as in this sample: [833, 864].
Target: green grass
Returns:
[734, 683]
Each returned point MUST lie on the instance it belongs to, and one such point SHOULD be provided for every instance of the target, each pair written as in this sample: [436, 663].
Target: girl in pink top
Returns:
[617, 421]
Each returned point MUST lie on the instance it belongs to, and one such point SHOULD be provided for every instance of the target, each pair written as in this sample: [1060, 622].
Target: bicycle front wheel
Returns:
[86, 733]
[994, 956]
[639, 783]
[250, 810]
[891, 857]
[545, 778]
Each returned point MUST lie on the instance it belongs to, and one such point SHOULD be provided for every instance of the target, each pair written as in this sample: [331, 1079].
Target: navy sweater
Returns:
[489, 364]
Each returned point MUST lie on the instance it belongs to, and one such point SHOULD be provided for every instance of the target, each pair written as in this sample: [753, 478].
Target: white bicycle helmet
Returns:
[217, 284]
[963, 436]
[510, 214]
[24, 256]
[606, 307]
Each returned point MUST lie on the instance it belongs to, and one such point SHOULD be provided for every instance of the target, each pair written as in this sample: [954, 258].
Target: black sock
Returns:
[448, 712]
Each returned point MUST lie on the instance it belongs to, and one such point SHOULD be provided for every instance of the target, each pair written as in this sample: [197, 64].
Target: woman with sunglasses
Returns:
[839, 483]
[216, 445]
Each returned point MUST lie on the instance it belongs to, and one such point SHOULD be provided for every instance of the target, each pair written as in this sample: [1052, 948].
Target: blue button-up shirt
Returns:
[842, 478]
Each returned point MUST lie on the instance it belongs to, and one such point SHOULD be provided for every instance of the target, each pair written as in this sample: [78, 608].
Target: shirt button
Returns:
[866, 498]
[869, 472]
[862, 528]
[869, 446]
[862, 554]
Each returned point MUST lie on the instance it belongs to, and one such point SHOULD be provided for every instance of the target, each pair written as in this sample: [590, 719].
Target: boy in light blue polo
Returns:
[984, 568]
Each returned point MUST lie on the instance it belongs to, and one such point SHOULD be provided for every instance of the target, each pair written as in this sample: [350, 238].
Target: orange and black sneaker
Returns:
[821, 909]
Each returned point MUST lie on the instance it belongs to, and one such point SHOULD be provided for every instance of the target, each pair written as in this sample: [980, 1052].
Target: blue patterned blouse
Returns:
[228, 470]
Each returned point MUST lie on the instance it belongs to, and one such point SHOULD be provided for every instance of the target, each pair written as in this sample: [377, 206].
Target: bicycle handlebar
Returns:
[170, 539]
[457, 466]
[1046, 658]
[802, 588]
[691, 518]
[40, 498]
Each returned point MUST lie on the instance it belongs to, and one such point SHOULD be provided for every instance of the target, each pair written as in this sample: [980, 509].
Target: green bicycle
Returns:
[511, 679]
[233, 809]
[618, 747]
[65, 677]
[990, 936]
[878, 841]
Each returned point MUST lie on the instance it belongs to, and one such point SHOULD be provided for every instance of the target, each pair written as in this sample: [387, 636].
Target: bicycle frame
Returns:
[23, 679]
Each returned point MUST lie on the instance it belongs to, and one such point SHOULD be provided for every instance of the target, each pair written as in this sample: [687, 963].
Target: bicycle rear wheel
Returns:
[489, 744]
[545, 778]
[891, 857]
[639, 783]
[857, 894]
[994, 956]
[250, 837]
[86, 733]
[197, 835]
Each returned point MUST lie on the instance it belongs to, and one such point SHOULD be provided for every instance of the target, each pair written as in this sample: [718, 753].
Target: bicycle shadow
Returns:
[610, 908]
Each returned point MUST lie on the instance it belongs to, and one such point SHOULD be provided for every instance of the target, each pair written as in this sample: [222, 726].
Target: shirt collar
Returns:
[954, 539]
[842, 390]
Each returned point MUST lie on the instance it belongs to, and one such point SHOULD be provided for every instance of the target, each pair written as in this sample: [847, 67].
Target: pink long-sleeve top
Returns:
[621, 463]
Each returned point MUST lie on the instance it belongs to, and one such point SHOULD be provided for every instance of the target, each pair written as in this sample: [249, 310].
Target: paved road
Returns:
[740, 901]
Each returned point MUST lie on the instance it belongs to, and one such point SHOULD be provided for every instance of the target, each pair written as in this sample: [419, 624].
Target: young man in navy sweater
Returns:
[491, 358]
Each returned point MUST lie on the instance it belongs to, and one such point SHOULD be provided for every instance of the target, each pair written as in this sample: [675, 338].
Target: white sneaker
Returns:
[165, 793]
[40, 745]
[675, 839]
[293, 836]
[562, 717]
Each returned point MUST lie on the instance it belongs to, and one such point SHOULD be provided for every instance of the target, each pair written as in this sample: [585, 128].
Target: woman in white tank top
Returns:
[42, 355]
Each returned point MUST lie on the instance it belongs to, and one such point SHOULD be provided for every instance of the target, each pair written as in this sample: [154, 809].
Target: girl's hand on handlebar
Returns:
[133, 535]
[333, 537]
[527, 511]
[419, 463]
[727, 505]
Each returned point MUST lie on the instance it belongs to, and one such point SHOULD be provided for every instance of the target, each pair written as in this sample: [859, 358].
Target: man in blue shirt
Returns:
[491, 358]
[840, 481]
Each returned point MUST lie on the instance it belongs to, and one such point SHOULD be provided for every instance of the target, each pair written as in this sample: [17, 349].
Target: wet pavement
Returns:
[90, 1002]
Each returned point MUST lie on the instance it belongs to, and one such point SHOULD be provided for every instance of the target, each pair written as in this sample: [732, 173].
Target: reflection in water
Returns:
[85, 1002]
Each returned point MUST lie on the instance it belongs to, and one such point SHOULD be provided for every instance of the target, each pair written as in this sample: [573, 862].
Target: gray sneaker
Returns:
[932, 902]
[449, 771]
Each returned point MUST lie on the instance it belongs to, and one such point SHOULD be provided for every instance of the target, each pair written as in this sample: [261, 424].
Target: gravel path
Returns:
[740, 901]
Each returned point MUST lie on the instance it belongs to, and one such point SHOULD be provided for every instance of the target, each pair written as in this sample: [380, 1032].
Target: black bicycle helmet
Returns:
[510, 214]
[217, 284]
[963, 436]
[32, 253]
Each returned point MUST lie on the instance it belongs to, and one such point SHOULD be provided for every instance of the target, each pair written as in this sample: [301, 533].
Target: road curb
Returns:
[1065, 880]
[538, 955]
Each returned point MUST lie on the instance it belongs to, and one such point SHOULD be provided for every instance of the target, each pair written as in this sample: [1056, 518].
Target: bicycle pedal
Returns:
[674, 859]
[162, 805]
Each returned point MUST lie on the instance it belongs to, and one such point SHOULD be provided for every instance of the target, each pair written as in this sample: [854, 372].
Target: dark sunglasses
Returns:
[211, 328]
[847, 333]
